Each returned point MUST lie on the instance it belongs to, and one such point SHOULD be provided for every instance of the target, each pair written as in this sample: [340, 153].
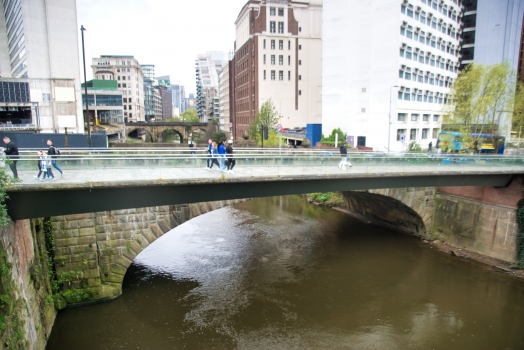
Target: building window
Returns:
[407, 95]
[289, 60]
[272, 11]
[130, 115]
[425, 118]
[272, 44]
[425, 133]
[281, 12]
[264, 43]
[281, 75]
[118, 77]
[413, 134]
[299, 62]
[272, 59]
[272, 26]
[289, 44]
[125, 99]
[281, 44]
[410, 11]
[281, 59]
[281, 27]
[288, 75]
[401, 134]
[435, 132]
[414, 117]
[402, 117]
[264, 59]
[436, 117]
[119, 85]
[264, 74]
[299, 29]
[299, 77]
[272, 75]
[299, 92]
[407, 74]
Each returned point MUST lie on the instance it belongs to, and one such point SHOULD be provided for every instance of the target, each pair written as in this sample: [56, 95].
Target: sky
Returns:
[167, 33]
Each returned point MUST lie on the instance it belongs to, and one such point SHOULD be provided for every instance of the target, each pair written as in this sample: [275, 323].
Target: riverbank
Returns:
[336, 201]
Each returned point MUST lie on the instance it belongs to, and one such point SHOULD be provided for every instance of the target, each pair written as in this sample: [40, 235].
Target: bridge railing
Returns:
[304, 163]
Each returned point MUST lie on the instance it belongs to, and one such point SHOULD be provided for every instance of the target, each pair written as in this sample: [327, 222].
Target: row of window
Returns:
[431, 22]
[117, 63]
[427, 58]
[413, 133]
[429, 78]
[443, 9]
[272, 25]
[272, 11]
[430, 40]
[280, 44]
[416, 95]
[280, 60]
[123, 70]
[402, 117]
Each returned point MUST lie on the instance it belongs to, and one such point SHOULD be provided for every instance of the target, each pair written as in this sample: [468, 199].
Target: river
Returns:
[279, 273]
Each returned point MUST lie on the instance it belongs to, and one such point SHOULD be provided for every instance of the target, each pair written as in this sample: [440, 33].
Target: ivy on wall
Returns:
[520, 237]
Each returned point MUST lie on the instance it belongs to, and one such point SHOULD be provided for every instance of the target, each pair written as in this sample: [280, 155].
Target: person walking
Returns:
[53, 152]
[214, 159]
[40, 158]
[344, 155]
[430, 146]
[12, 154]
[230, 160]
[192, 147]
[209, 154]
[222, 156]
[47, 165]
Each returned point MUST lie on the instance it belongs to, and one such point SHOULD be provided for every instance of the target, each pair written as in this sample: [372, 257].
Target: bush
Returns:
[330, 140]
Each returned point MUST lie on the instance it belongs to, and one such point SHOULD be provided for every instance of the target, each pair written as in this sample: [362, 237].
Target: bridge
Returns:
[107, 180]
[155, 130]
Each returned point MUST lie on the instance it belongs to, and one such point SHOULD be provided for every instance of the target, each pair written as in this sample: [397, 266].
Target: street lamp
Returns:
[82, 29]
[389, 125]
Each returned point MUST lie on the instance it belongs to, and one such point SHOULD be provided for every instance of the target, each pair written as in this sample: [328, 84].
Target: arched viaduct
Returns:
[155, 130]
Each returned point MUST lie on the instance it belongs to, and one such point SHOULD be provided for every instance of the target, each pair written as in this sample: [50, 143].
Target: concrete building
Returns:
[178, 97]
[167, 98]
[224, 99]
[388, 61]
[208, 67]
[278, 55]
[105, 102]
[129, 76]
[492, 31]
[149, 90]
[39, 65]
[157, 103]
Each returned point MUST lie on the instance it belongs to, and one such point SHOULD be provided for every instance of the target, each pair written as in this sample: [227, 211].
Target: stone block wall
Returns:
[93, 251]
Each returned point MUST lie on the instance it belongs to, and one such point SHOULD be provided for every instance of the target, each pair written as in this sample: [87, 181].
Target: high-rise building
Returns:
[167, 99]
[224, 99]
[178, 96]
[388, 66]
[492, 31]
[149, 90]
[157, 103]
[208, 68]
[39, 65]
[278, 56]
[130, 78]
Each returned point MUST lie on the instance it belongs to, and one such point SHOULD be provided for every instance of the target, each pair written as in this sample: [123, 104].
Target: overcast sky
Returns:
[167, 33]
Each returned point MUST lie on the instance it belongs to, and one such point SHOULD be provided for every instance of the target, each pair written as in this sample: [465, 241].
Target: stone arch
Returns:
[147, 130]
[97, 248]
[401, 211]
[180, 134]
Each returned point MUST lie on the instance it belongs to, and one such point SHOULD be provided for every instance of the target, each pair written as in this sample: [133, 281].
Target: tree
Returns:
[267, 116]
[190, 116]
[481, 101]
[330, 140]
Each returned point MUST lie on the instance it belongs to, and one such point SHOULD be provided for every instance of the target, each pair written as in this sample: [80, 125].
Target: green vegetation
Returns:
[481, 101]
[330, 140]
[267, 116]
[5, 180]
[520, 237]
[189, 116]
[413, 146]
[328, 199]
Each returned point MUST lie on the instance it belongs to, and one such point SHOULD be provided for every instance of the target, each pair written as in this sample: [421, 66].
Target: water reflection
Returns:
[278, 273]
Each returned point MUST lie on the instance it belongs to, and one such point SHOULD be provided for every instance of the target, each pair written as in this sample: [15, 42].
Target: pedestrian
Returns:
[344, 155]
[230, 160]
[40, 158]
[53, 152]
[47, 165]
[214, 159]
[12, 154]
[430, 146]
[222, 156]
[209, 154]
[192, 147]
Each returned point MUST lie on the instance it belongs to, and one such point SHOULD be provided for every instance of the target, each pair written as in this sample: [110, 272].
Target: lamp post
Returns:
[82, 29]
[389, 125]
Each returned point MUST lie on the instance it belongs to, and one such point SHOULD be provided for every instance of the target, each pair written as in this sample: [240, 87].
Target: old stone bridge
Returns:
[155, 130]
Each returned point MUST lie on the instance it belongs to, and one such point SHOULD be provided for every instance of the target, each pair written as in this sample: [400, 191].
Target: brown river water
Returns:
[279, 273]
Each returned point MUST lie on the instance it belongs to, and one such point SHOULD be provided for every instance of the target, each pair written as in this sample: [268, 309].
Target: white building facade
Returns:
[224, 96]
[39, 49]
[208, 68]
[130, 78]
[388, 66]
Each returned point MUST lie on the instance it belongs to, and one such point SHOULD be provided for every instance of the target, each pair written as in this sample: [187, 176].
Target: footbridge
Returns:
[156, 129]
[105, 180]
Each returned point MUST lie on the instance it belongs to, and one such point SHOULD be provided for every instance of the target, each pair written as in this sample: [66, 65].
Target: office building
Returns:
[224, 99]
[149, 90]
[129, 76]
[278, 56]
[208, 67]
[388, 66]
[40, 65]
[178, 96]
[106, 104]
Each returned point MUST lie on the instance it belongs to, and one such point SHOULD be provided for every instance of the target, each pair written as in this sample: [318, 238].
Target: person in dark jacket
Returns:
[230, 160]
[344, 155]
[11, 152]
[52, 152]
[209, 154]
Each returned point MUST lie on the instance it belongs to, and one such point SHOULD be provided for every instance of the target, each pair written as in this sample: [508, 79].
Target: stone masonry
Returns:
[93, 251]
